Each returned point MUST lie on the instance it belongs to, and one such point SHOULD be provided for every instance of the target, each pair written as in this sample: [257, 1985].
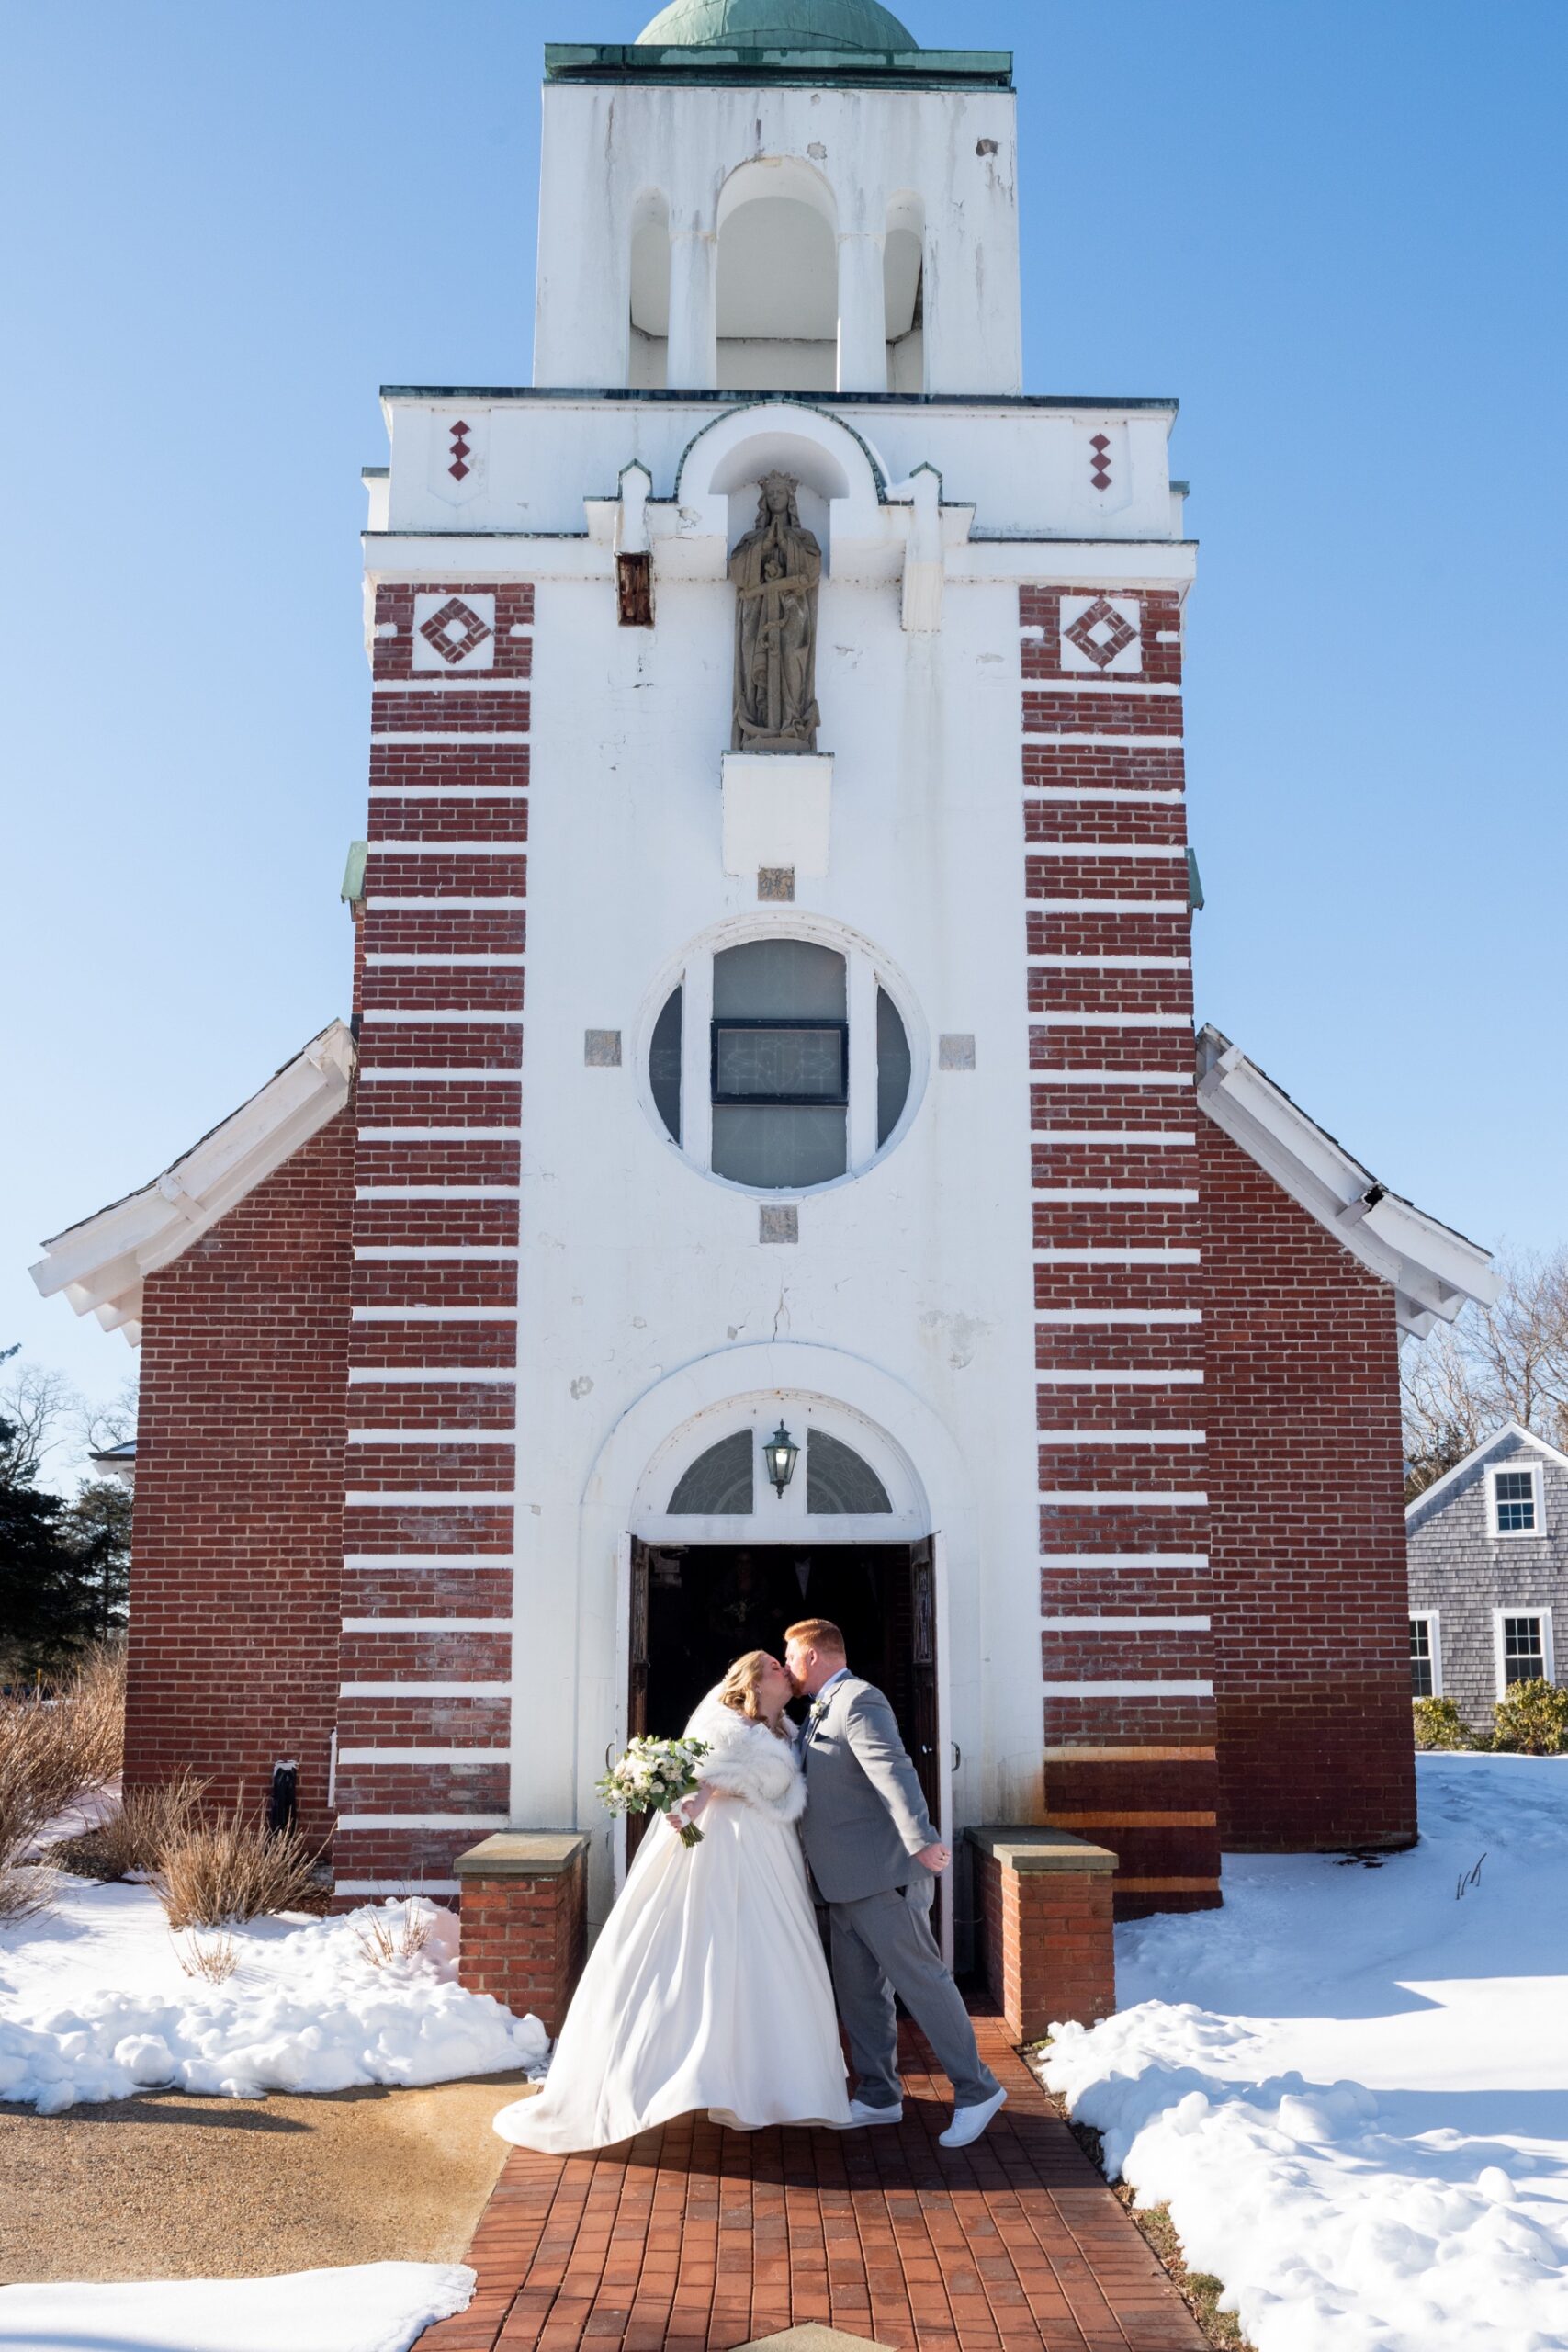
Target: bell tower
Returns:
[778, 198]
[776, 1005]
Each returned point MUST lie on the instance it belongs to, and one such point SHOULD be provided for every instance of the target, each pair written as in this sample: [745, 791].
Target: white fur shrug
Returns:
[746, 1761]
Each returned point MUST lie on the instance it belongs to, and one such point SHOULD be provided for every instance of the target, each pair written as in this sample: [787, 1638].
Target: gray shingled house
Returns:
[1488, 1553]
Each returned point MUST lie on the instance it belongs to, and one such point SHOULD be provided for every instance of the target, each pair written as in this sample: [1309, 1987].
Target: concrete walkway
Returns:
[700, 2240]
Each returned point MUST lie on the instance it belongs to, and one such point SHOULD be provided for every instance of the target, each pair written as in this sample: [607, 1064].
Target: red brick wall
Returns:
[1306, 1524]
[238, 1552]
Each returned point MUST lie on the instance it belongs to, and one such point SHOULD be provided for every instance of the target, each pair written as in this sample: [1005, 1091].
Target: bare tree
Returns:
[98, 1427]
[1507, 1362]
[36, 1405]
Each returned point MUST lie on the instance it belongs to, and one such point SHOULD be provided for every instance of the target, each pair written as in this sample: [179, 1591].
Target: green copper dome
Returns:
[776, 24]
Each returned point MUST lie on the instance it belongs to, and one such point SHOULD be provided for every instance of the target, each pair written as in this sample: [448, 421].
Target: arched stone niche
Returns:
[842, 476]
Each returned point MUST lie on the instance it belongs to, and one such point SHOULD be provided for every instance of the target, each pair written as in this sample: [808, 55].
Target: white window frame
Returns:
[866, 971]
[1548, 1656]
[1538, 1488]
[1434, 1640]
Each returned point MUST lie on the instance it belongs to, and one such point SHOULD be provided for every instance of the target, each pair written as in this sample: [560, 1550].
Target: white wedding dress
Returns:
[707, 1987]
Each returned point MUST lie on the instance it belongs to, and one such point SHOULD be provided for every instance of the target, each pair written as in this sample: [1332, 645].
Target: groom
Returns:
[875, 1860]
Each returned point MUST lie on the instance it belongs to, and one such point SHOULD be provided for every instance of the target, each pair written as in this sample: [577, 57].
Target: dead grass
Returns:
[135, 1835]
[383, 1939]
[1199, 2290]
[65, 1745]
[223, 1869]
[213, 1957]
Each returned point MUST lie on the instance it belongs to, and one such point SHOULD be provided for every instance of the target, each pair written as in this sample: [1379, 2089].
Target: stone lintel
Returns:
[1027, 1850]
[522, 1853]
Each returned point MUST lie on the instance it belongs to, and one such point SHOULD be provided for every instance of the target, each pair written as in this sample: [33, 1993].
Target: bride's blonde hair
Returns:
[739, 1690]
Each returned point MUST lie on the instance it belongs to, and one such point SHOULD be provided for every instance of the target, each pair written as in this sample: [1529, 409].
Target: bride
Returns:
[707, 1987]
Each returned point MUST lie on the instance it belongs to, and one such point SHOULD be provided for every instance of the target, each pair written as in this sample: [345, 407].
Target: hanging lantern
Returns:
[780, 1453]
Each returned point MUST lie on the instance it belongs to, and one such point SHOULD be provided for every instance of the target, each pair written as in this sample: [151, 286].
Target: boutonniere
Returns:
[818, 1708]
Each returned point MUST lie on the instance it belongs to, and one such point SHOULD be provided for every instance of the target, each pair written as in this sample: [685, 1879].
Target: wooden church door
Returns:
[926, 1726]
[637, 1674]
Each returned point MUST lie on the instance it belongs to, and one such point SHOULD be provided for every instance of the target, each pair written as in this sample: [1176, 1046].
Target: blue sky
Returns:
[1336, 232]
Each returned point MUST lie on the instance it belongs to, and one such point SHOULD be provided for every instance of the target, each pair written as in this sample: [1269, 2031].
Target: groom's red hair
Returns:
[817, 1633]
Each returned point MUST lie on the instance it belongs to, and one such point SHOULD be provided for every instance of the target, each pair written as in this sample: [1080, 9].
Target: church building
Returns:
[771, 1167]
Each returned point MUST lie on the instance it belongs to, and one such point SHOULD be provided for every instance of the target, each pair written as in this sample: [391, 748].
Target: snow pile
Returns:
[377, 2307]
[95, 2003]
[1351, 2085]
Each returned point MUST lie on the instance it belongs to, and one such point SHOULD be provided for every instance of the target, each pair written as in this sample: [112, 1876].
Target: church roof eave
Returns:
[1433, 1271]
[101, 1263]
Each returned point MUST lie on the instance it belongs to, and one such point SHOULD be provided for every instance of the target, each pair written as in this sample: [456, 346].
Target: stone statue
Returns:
[775, 567]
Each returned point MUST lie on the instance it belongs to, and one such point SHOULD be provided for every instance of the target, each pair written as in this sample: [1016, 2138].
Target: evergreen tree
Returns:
[96, 1528]
[63, 1566]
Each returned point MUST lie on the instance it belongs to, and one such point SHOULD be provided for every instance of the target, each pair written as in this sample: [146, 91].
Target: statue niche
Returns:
[775, 567]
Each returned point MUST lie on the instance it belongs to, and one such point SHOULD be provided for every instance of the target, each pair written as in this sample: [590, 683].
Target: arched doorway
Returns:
[730, 1545]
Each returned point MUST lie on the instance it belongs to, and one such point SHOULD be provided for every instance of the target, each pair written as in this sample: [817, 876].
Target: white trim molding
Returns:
[1517, 1466]
[102, 1264]
[1429, 1618]
[1433, 1271]
[1542, 1611]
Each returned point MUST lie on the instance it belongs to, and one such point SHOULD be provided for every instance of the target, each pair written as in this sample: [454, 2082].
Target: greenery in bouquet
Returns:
[654, 1776]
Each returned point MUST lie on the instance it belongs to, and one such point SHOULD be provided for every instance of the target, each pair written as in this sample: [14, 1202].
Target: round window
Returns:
[780, 1063]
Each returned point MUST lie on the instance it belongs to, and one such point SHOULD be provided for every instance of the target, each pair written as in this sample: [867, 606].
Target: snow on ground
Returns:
[1351, 2085]
[94, 2005]
[376, 2307]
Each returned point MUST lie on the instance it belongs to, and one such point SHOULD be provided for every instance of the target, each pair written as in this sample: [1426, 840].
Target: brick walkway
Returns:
[700, 2240]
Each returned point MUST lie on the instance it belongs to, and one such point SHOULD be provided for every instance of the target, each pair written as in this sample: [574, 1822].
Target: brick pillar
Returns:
[1128, 1678]
[429, 1531]
[523, 1919]
[1046, 1926]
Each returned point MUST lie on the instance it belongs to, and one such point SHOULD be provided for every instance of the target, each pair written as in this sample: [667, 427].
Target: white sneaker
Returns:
[968, 2123]
[860, 2113]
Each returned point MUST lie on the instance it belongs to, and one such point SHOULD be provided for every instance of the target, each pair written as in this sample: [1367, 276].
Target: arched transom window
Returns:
[717, 1481]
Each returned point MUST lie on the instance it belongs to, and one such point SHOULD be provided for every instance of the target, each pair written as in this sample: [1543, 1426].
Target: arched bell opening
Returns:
[777, 289]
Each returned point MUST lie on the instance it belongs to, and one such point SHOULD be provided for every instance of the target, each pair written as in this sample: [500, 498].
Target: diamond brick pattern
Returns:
[1100, 633]
[459, 467]
[692, 2239]
[455, 631]
[1100, 463]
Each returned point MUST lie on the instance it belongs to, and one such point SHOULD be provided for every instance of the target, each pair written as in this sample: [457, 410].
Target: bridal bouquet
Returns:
[652, 1777]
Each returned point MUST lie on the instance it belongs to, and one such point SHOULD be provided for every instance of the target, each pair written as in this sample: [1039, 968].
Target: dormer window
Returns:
[1515, 1499]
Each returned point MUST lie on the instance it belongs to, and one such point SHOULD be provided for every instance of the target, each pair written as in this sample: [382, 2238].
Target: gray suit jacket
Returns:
[865, 1817]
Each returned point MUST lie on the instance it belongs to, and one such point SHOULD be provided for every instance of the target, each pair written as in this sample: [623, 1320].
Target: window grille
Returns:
[1524, 1650]
[1422, 1678]
[1513, 1496]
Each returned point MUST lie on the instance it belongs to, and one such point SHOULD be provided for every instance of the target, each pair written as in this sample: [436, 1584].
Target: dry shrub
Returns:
[1533, 1719]
[54, 1749]
[385, 1938]
[1439, 1724]
[94, 1700]
[212, 1958]
[225, 1868]
[135, 1835]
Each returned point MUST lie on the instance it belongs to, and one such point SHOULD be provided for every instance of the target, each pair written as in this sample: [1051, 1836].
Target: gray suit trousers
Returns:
[882, 1946]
